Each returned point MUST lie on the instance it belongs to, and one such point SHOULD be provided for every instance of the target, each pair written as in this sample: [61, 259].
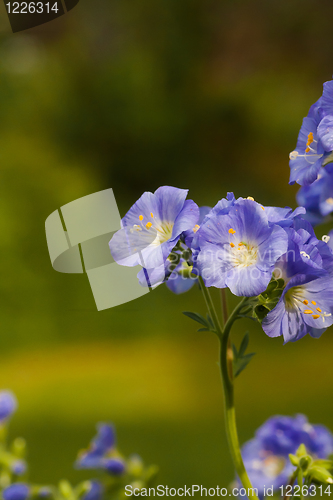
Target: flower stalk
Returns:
[228, 385]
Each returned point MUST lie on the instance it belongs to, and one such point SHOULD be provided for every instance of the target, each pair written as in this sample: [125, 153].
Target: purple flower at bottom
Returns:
[8, 405]
[266, 456]
[102, 453]
[17, 491]
[114, 466]
[95, 492]
[19, 467]
[101, 445]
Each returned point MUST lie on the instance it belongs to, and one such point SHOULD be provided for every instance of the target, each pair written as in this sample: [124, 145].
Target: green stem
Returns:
[228, 388]
[224, 303]
[290, 483]
[210, 307]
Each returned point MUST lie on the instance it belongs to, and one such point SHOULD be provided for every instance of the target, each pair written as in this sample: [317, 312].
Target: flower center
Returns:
[295, 299]
[163, 229]
[310, 153]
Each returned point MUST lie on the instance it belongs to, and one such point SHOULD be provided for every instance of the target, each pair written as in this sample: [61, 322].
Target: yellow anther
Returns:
[313, 302]
[308, 311]
[316, 316]
[319, 310]
[196, 227]
[308, 150]
[310, 139]
[141, 217]
[240, 244]
[151, 214]
[148, 225]
[305, 302]
[250, 198]
[231, 231]
[263, 208]
[232, 245]
[329, 201]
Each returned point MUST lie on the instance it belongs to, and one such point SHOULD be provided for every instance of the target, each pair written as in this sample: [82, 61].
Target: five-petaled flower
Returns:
[153, 227]
[238, 247]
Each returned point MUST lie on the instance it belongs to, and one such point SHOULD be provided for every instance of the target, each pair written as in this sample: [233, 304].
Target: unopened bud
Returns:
[304, 462]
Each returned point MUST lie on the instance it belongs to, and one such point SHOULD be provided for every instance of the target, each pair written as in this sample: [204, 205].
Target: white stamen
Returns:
[304, 254]
[326, 238]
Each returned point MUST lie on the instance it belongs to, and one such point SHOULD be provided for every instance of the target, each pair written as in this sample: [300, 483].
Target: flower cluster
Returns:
[266, 457]
[311, 162]
[267, 253]
[102, 456]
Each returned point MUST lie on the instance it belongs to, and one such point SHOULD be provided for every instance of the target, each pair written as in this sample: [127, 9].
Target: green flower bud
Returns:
[304, 462]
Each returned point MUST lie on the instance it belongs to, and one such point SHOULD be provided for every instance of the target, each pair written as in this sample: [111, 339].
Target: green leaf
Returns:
[242, 363]
[210, 321]
[203, 330]
[197, 317]
[244, 344]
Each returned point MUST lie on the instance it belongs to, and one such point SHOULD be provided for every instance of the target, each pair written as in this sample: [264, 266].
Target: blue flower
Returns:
[19, 467]
[266, 456]
[153, 227]
[8, 405]
[95, 491]
[101, 445]
[114, 466]
[306, 306]
[315, 141]
[238, 248]
[102, 453]
[17, 491]
[178, 279]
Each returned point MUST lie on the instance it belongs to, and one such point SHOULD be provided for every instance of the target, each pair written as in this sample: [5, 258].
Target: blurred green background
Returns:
[133, 95]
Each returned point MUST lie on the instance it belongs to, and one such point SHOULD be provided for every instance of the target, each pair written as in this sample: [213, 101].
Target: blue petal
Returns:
[8, 404]
[170, 202]
[325, 132]
[17, 491]
[186, 219]
[178, 284]
[248, 281]
[95, 492]
[105, 439]
[326, 101]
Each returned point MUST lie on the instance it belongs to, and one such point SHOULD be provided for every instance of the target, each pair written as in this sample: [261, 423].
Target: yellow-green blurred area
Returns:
[207, 96]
